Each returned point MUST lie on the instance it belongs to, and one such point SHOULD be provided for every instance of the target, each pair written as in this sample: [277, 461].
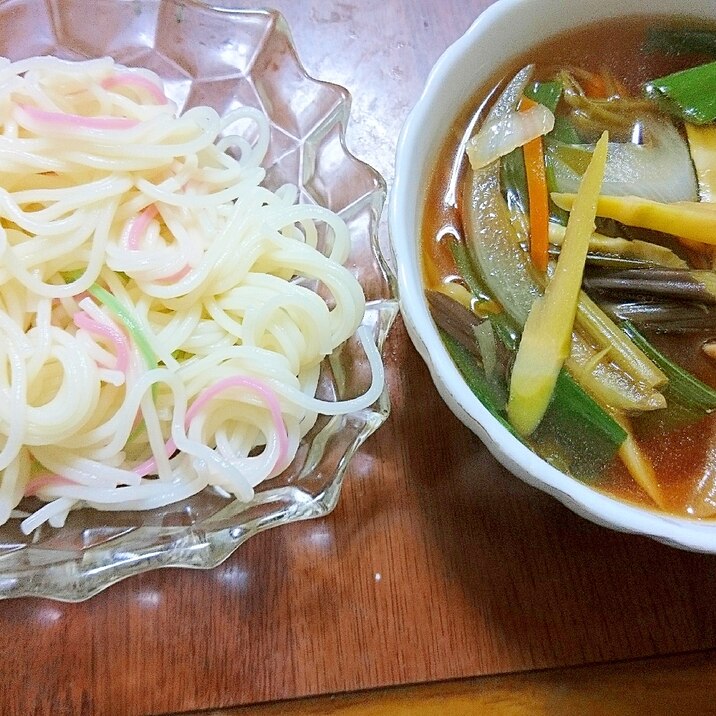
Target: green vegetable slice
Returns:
[572, 403]
[546, 93]
[688, 389]
[466, 269]
[474, 377]
[513, 180]
[549, 94]
[689, 94]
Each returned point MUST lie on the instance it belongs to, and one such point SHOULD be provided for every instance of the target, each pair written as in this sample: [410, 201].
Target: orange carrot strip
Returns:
[539, 198]
[595, 86]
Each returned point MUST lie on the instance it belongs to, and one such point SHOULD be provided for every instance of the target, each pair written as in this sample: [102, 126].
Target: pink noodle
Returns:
[176, 276]
[252, 384]
[46, 479]
[108, 331]
[139, 227]
[137, 81]
[77, 121]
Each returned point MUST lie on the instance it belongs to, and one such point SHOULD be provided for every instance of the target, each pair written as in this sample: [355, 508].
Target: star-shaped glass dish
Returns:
[224, 58]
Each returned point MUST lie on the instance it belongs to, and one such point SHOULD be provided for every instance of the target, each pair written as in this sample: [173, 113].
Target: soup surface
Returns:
[611, 66]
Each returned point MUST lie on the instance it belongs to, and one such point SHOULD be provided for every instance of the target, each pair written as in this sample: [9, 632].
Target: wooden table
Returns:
[437, 563]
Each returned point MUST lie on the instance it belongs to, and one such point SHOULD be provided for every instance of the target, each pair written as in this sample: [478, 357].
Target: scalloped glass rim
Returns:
[505, 29]
[212, 54]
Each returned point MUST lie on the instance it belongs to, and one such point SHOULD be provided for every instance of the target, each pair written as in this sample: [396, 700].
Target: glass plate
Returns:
[224, 58]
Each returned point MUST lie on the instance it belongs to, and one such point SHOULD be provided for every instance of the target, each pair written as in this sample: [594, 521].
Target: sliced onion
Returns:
[659, 168]
[498, 138]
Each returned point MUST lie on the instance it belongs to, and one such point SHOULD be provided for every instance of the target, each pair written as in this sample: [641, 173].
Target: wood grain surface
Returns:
[437, 563]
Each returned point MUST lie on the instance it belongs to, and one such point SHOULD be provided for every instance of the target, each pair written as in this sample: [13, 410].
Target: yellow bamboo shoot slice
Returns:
[547, 334]
[638, 464]
[692, 220]
[627, 248]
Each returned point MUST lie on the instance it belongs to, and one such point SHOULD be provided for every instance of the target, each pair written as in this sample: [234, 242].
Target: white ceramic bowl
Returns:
[505, 29]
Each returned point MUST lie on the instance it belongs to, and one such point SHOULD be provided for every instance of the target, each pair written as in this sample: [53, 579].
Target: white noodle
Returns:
[195, 359]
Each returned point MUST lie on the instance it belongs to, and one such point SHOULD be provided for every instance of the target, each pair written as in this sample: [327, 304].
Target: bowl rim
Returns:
[403, 210]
